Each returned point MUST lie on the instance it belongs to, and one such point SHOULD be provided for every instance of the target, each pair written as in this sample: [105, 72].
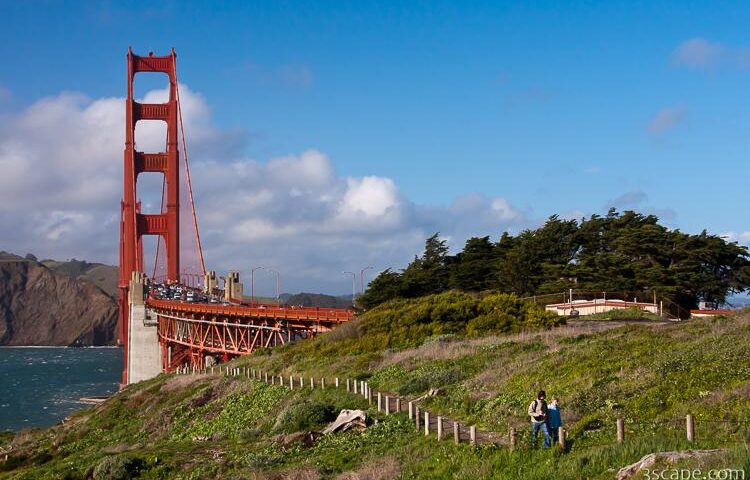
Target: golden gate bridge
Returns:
[164, 334]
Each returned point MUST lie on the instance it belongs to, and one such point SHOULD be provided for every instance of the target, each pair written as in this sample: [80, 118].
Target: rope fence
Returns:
[442, 428]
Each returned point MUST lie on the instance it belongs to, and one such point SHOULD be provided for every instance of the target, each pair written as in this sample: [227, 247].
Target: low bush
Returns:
[117, 467]
[631, 313]
[406, 323]
[304, 416]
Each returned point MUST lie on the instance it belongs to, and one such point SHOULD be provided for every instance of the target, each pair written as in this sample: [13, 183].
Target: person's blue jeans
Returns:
[535, 428]
[554, 433]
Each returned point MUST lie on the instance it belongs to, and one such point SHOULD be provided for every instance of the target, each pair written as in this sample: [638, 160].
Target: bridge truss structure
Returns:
[190, 333]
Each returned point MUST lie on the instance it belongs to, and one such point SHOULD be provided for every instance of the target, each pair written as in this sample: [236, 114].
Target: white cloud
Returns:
[637, 200]
[311, 170]
[61, 186]
[698, 53]
[702, 54]
[665, 120]
[629, 199]
[743, 238]
[368, 199]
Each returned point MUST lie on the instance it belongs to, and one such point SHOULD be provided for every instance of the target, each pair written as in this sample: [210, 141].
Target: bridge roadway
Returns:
[199, 334]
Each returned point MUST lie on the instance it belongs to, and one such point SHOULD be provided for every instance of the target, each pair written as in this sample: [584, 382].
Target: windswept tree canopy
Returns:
[625, 251]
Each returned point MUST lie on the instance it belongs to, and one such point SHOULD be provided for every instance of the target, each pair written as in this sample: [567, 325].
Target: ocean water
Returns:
[39, 386]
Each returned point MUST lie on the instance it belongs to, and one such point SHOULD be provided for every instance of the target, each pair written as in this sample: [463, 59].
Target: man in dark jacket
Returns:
[538, 413]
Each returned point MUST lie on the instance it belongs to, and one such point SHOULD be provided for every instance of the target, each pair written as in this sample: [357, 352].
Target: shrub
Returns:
[404, 323]
[116, 467]
[435, 379]
[304, 416]
[490, 323]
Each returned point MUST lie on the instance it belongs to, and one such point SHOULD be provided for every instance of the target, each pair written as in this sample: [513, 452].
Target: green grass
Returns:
[631, 313]
[215, 427]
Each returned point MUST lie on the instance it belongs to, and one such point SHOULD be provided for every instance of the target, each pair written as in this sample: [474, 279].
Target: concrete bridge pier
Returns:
[233, 289]
[144, 353]
[209, 282]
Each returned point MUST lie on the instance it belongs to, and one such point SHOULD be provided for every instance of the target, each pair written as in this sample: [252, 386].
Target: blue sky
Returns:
[552, 107]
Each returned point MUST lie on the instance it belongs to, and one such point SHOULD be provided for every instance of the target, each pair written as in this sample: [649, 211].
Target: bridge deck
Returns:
[313, 314]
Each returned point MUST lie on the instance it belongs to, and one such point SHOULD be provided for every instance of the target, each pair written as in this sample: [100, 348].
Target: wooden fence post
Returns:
[473, 435]
[411, 410]
[273, 379]
[369, 395]
[387, 405]
[291, 382]
[348, 385]
[323, 383]
[690, 425]
[301, 382]
[426, 423]
[416, 417]
[312, 383]
[561, 437]
[456, 433]
[620, 430]
[355, 386]
[337, 382]
[281, 380]
[398, 404]
[512, 438]
[439, 428]
[265, 375]
[380, 402]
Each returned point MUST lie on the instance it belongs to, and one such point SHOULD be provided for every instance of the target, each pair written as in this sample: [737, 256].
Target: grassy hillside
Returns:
[306, 299]
[103, 276]
[652, 374]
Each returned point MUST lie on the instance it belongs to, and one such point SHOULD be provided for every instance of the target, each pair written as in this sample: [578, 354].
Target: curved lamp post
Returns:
[354, 283]
[278, 301]
[362, 279]
[252, 283]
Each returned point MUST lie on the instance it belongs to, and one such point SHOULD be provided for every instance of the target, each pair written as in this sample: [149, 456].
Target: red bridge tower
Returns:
[134, 224]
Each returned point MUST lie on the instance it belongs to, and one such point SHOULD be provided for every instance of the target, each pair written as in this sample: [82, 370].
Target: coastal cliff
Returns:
[42, 306]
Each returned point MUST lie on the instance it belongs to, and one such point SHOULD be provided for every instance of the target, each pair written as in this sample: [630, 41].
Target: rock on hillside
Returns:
[39, 306]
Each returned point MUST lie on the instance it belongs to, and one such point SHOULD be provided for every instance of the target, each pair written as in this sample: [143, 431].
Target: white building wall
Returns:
[590, 307]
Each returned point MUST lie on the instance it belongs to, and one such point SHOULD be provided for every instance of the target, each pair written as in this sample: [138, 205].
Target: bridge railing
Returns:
[333, 315]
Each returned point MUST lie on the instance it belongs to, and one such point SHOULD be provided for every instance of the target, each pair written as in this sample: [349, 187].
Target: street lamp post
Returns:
[278, 300]
[252, 283]
[354, 283]
[362, 279]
